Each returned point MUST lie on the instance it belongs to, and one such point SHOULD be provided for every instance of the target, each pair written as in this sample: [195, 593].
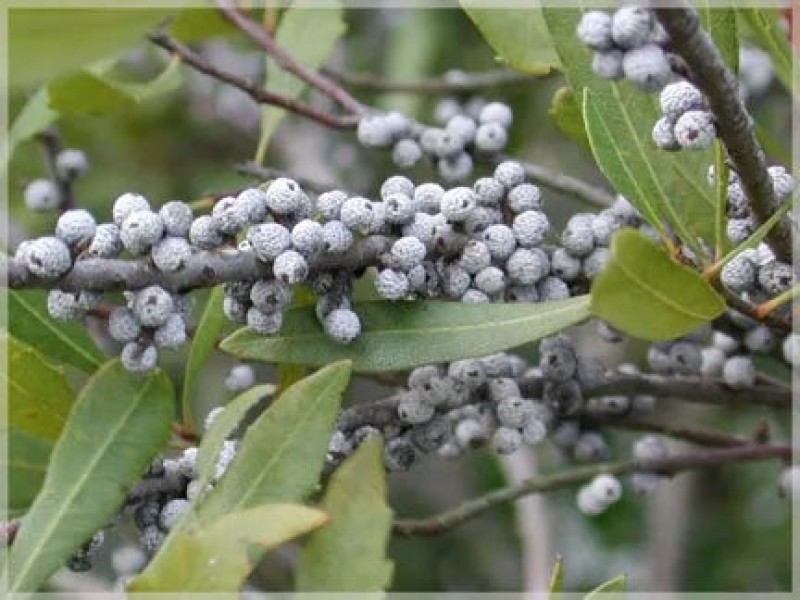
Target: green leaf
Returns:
[68, 343]
[349, 555]
[518, 36]
[218, 557]
[667, 187]
[25, 464]
[204, 341]
[643, 292]
[557, 578]
[166, 82]
[565, 110]
[720, 22]
[282, 453]
[613, 588]
[222, 428]
[198, 24]
[35, 117]
[46, 43]
[309, 35]
[39, 394]
[764, 25]
[117, 425]
[399, 336]
[84, 93]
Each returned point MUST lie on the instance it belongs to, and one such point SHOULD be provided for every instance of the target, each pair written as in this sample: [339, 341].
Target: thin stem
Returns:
[767, 308]
[475, 507]
[734, 125]
[51, 147]
[257, 93]
[695, 435]
[464, 83]
[748, 309]
[568, 185]
[263, 38]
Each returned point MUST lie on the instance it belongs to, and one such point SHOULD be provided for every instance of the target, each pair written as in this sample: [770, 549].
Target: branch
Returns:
[471, 509]
[256, 92]
[203, 269]
[51, 146]
[262, 174]
[263, 38]
[568, 185]
[738, 303]
[734, 126]
[694, 435]
[465, 82]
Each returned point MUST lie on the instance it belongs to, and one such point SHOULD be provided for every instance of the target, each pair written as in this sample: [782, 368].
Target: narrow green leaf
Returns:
[764, 25]
[35, 117]
[218, 557]
[565, 110]
[613, 588]
[25, 464]
[282, 453]
[117, 425]
[68, 343]
[198, 24]
[309, 34]
[222, 428]
[166, 82]
[349, 555]
[643, 292]
[720, 22]
[39, 395]
[518, 36]
[557, 579]
[204, 341]
[84, 93]
[46, 43]
[398, 336]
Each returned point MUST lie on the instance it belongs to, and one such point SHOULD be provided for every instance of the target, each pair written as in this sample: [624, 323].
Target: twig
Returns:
[256, 171]
[263, 38]
[203, 269]
[257, 93]
[734, 126]
[738, 303]
[568, 185]
[695, 435]
[465, 82]
[471, 509]
[51, 146]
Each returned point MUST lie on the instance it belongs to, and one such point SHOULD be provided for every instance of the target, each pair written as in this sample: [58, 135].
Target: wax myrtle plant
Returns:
[454, 279]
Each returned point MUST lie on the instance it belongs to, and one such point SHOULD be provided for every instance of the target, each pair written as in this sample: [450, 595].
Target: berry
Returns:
[171, 334]
[337, 237]
[650, 447]
[775, 277]
[400, 208]
[171, 254]
[126, 205]
[254, 203]
[531, 228]
[462, 126]
[590, 447]
[475, 256]
[307, 237]
[428, 196]
[594, 30]
[270, 295]
[604, 226]
[106, 242]
[491, 138]
[565, 266]
[713, 361]
[490, 192]
[503, 365]
[470, 433]
[632, 26]
[695, 129]
[62, 306]
[153, 306]
[738, 230]
[140, 231]
[399, 454]
[490, 280]
[455, 280]
[429, 140]
[48, 257]
[552, 288]
[469, 371]
[408, 252]
[177, 218]
[607, 487]
[269, 240]
[392, 285]
[356, 213]
[496, 112]
[513, 411]
[138, 358]
[397, 184]
[290, 267]
[128, 560]
[739, 372]
[172, 511]
[782, 182]
[608, 64]
[234, 310]
[123, 325]
[527, 265]
[398, 123]
[342, 325]
[374, 131]
[534, 431]
[596, 262]
[759, 339]
[406, 153]
[473, 296]
[739, 275]
[577, 238]
[510, 174]
[284, 196]
[71, 163]
[523, 197]
[264, 323]
[205, 233]
[42, 195]
[647, 67]
[231, 215]
[75, 227]
[506, 440]
[422, 376]
[791, 349]
[449, 144]
[686, 358]
[455, 168]
[413, 410]
[678, 98]
[664, 135]
[457, 203]
[557, 361]
[330, 203]
[563, 397]
[480, 218]
[151, 539]
[501, 240]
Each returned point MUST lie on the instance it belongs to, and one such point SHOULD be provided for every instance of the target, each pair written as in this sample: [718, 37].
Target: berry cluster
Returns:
[686, 121]
[478, 133]
[45, 194]
[630, 44]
